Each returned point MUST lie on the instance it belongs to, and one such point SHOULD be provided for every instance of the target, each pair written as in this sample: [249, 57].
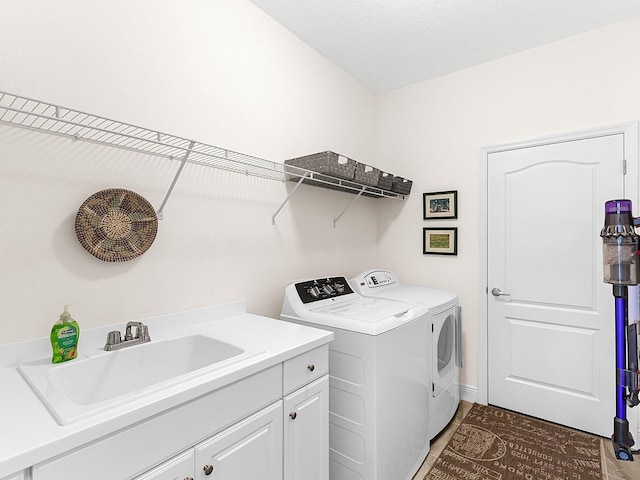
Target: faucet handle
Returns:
[113, 338]
[143, 332]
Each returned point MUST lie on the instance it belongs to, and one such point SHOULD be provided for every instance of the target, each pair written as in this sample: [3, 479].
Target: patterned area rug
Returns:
[495, 444]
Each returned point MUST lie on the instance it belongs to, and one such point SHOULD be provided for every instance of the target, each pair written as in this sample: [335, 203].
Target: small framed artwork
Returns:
[440, 241]
[440, 205]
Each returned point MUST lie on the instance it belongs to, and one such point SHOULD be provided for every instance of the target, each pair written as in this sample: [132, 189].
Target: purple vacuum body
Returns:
[620, 268]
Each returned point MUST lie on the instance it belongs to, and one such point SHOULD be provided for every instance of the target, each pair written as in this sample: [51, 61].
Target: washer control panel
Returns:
[322, 288]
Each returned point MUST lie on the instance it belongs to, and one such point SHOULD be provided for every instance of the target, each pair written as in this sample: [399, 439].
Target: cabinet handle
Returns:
[208, 469]
[311, 367]
[188, 478]
[293, 415]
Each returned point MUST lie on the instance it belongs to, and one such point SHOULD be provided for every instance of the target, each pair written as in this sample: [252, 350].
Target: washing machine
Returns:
[445, 333]
[379, 380]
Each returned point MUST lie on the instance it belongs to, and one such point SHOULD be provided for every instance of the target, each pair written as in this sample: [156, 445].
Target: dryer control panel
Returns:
[378, 278]
[322, 288]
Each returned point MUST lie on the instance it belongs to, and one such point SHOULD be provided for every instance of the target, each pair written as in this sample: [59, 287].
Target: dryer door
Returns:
[444, 351]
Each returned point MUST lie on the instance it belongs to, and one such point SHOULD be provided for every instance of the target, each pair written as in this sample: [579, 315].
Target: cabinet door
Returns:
[250, 449]
[306, 432]
[180, 467]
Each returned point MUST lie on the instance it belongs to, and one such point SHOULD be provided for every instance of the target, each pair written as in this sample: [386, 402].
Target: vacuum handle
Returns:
[632, 366]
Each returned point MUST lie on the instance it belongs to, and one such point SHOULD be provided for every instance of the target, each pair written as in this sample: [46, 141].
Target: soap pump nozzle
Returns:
[65, 317]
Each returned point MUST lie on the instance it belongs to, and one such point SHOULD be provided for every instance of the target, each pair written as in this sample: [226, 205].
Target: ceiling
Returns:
[388, 44]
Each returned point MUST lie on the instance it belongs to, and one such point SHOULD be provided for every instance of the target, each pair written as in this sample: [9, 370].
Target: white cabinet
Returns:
[288, 440]
[272, 425]
[306, 415]
[306, 432]
[250, 449]
[142, 446]
[178, 468]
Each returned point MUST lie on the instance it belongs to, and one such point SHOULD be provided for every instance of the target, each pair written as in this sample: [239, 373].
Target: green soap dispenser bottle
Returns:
[64, 338]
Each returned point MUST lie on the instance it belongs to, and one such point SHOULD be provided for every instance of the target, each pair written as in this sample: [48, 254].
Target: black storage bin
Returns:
[367, 175]
[327, 163]
[401, 185]
[385, 180]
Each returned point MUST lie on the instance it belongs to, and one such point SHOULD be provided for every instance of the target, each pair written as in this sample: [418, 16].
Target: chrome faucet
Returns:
[115, 340]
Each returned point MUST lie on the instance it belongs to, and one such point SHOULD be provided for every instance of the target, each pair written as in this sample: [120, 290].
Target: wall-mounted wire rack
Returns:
[37, 115]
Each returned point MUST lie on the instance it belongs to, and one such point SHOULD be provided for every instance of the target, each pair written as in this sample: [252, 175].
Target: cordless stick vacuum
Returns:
[621, 269]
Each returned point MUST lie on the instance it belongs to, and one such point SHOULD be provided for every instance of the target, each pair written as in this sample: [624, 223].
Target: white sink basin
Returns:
[86, 386]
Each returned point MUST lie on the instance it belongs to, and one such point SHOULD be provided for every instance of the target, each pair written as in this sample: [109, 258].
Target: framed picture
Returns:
[440, 241]
[440, 205]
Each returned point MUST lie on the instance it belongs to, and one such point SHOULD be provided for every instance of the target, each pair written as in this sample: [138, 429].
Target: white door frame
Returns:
[630, 133]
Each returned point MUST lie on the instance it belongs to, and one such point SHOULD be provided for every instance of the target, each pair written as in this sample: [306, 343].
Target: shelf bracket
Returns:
[273, 218]
[335, 220]
[175, 179]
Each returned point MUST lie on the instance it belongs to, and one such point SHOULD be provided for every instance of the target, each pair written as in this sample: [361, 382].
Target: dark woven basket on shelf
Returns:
[116, 225]
[385, 180]
[327, 163]
[401, 185]
[367, 175]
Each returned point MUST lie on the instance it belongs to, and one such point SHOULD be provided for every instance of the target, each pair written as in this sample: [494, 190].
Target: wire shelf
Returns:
[24, 112]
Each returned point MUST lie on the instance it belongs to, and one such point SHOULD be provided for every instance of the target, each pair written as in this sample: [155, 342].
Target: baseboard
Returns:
[468, 393]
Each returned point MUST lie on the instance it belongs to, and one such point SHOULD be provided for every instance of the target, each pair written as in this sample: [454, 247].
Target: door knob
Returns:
[208, 469]
[496, 292]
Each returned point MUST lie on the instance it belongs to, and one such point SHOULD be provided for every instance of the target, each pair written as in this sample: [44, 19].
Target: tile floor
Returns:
[613, 469]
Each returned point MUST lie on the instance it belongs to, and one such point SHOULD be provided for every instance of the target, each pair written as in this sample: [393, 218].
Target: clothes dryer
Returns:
[379, 380]
[445, 331]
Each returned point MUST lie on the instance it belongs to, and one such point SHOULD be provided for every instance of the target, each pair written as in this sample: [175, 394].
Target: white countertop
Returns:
[30, 434]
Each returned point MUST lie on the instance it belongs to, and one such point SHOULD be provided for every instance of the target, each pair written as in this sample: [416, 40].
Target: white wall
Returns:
[224, 73]
[435, 131]
[221, 72]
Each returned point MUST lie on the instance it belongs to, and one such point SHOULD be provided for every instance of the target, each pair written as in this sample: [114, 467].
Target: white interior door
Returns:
[551, 333]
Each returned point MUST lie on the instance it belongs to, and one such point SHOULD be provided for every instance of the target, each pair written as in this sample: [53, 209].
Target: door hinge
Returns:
[624, 167]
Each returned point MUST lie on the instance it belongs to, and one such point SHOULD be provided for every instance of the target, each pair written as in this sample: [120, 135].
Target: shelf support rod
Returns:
[273, 218]
[175, 179]
[335, 220]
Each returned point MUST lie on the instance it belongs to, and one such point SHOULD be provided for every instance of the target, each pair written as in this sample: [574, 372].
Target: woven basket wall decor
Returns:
[116, 225]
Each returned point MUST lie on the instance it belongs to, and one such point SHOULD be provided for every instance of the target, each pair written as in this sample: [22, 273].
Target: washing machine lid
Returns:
[346, 309]
[361, 309]
[372, 316]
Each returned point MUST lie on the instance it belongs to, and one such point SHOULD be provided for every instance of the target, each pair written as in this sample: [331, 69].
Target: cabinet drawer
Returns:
[305, 368]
